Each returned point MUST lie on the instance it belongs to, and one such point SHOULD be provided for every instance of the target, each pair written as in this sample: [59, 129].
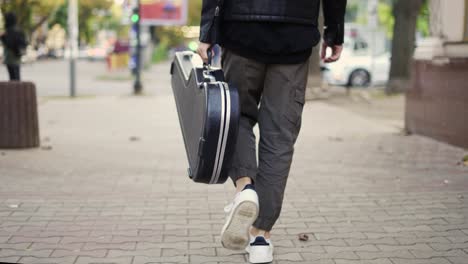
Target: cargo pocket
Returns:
[295, 107]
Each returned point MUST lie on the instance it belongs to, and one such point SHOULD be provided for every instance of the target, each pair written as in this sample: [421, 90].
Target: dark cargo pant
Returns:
[273, 96]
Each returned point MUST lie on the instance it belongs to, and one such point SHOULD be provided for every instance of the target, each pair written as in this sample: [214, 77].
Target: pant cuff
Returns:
[264, 224]
[237, 173]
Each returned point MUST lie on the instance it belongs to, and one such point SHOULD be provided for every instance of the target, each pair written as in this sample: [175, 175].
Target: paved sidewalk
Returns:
[109, 185]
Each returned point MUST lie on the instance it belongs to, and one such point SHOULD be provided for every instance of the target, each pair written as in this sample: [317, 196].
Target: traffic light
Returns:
[135, 63]
[135, 18]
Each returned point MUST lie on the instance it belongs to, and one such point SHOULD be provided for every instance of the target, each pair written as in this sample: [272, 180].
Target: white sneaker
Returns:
[242, 213]
[260, 250]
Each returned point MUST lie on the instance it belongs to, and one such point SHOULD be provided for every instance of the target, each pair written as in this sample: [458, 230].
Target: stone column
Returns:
[447, 27]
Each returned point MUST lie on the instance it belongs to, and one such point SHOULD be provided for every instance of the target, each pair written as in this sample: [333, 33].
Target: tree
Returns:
[387, 20]
[31, 14]
[194, 12]
[93, 15]
[404, 36]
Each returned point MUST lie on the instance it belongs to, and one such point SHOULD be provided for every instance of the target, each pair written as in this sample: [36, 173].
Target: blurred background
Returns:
[107, 40]
[115, 47]
[109, 47]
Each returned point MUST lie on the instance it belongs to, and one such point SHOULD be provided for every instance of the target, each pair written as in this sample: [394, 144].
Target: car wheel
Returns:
[359, 78]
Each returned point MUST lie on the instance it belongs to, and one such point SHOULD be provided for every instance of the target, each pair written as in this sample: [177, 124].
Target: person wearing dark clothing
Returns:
[266, 47]
[14, 44]
[14, 72]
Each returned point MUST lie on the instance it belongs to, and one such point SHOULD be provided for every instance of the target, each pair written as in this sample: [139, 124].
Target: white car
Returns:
[356, 67]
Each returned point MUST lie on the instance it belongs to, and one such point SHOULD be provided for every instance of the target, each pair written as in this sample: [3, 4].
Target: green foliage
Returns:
[352, 11]
[194, 12]
[356, 12]
[423, 20]
[60, 17]
[171, 36]
[25, 10]
[387, 19]
[93, 15]
[160, 52]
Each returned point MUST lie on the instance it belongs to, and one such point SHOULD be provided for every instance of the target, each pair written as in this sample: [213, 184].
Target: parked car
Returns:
[357, 67]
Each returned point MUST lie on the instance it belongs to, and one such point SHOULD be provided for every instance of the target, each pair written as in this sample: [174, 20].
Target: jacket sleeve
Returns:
[334, 13]
[210, 9]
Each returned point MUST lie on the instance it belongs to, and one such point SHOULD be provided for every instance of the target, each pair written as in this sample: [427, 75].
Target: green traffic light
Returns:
[135, 18]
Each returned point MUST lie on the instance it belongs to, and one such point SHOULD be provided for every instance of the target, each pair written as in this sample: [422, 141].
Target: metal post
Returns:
[73, 42]
[373, 25]
[137, 86]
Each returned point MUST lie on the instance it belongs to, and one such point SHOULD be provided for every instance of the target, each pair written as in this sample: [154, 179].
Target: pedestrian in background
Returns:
[266, 49]
[14, 45]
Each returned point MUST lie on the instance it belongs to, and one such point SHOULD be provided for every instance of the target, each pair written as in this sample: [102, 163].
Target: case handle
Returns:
[209, 52]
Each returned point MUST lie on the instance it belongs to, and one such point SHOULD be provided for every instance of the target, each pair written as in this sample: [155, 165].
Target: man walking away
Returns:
[14, 45]
[266, 48]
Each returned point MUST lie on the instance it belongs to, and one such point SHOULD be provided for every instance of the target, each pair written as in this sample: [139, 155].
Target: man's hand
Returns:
[336, 52]
[203, 51]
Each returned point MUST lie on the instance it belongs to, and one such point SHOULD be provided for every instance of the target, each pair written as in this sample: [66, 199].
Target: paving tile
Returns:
[385, 254]
[32, 253]
[35, 260]
[368, 261]
[421, 261]
[58, 253]
[107, 260]
[149, 259]
[363, 193]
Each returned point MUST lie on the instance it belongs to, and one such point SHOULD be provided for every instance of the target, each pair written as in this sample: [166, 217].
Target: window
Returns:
[360, 46]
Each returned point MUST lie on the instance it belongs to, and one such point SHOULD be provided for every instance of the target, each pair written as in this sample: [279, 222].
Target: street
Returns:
[109, 185]
[52, 78]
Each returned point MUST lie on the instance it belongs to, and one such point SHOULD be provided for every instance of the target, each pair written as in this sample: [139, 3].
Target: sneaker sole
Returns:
[261, 260]
[258, 255]
[236, 234]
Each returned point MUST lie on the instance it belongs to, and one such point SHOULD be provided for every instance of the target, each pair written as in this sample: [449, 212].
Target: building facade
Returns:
[437, 100]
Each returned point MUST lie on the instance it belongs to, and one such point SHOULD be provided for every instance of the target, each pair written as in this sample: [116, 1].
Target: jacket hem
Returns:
[270, 18]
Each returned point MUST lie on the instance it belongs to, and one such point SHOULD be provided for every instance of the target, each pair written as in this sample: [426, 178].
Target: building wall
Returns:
[453, 15]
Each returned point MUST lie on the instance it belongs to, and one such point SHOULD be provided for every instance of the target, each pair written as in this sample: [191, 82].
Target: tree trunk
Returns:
[19, 127]
[404, 32]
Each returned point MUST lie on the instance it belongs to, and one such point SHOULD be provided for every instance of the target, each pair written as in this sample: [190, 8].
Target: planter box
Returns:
[437, 101]
[19, 126]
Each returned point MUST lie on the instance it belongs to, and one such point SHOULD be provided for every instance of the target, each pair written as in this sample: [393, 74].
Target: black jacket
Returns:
[14, 40]
[214, 12]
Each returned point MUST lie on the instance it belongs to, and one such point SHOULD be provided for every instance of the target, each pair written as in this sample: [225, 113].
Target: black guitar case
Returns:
[208, 109]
